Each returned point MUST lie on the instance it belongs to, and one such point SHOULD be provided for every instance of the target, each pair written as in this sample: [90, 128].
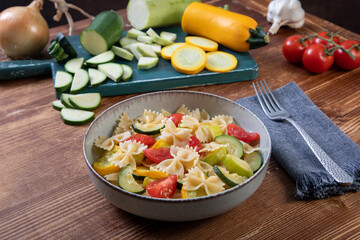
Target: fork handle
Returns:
[335, 171]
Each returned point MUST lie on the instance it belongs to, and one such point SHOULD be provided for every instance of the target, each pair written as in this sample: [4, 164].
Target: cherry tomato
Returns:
[195, 143]
[293, 48]
[316, 60]
[176, 118]
[163, 188]
[343, 60]
[144, 139]
[241, 134]
[158, 155]
[327, 35]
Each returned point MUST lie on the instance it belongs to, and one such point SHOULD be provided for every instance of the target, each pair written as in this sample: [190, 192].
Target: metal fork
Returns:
[275, 112]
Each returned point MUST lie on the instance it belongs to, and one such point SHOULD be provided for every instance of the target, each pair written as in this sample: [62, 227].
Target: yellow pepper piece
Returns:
[188, 59]
[204, 43]
[232, 30]
[220, 61]
[167, 51]
[160, 143]
[102, 166]
[146, 172]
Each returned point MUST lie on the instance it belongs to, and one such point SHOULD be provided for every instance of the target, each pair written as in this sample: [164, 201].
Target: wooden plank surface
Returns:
[45, 191]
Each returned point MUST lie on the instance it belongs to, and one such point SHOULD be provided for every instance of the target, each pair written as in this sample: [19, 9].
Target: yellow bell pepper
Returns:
[232, 30]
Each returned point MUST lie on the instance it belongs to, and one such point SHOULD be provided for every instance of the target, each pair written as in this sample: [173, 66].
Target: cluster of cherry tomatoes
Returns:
[320, 52]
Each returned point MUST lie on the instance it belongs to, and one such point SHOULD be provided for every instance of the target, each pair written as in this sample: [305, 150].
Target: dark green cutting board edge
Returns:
[161, 77]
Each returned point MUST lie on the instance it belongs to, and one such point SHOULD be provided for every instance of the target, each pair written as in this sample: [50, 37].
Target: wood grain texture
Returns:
[45, 191]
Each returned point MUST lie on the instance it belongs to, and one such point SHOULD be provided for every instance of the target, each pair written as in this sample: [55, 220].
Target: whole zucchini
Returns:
[144, 14]
[102, 33]
[232, 30]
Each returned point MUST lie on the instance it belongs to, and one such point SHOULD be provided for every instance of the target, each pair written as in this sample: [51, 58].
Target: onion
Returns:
[23, 30]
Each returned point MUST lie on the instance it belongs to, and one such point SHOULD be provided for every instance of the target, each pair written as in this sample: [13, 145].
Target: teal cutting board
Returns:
[161, 77]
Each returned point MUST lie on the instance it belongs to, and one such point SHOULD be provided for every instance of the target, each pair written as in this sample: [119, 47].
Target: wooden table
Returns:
[45, 191]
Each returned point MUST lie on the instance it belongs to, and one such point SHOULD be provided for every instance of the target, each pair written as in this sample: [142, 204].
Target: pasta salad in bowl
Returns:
[168, 155]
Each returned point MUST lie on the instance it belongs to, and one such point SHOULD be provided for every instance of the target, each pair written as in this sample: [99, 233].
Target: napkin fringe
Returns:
[320, 185]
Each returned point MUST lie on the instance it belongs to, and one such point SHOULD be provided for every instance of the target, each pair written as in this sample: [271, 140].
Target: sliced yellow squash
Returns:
[204, 43]
[219, 61]
[188, 59]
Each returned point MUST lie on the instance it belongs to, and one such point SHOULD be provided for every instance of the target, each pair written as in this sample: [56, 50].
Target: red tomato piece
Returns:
[293, 48]
[327, 35]
[176, 118]
[163, 188]
[241, 134]
[144, 139]
[316, 59]
[158, 155]
[195, 143]
[343, 60]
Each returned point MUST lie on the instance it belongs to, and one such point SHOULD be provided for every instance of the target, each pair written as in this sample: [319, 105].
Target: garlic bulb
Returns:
[285, 12]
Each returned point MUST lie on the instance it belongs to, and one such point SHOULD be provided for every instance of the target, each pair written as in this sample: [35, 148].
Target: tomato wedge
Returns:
[241, 134]
[158, 155]
[163, 188]
[195, 143]
[144, 139]
[176, 118]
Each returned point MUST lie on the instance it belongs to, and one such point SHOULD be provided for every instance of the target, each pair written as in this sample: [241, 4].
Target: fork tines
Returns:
[266, 98]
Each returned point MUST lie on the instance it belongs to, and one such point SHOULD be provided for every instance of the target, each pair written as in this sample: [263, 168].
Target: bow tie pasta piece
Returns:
[184, 159]
[130, 152]
[206, 168]
[124, 124]
[175, 136]
[200, 131]
[183, 109]
[150, 117]
[222, 121]
[211, 147]
[248, 148]
[195, 179]
[109, 143]
[165, 113]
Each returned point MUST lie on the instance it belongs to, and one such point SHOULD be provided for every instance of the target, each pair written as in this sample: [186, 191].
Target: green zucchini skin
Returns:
[108, 24]
[161, 12]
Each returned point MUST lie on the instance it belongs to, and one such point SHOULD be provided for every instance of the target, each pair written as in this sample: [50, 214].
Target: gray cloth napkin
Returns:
[290, 150]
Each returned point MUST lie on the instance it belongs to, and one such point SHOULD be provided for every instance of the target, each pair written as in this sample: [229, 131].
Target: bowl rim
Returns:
[179, 200]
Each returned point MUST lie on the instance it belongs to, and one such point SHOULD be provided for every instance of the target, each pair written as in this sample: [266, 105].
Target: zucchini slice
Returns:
[86, 101]
[114, 71]
[219, 61]
[122, 53]
[237, 165]
[128, 72]
[234, 146]
[167, 51]
[74, 64]
[215, 157]
[63, 81]
[80, 80]
[57, 105]
[146, 51]
[201, 42]
[64, 98]
[230, 179]
[148, 129]
[145, 39]
[96, 76]
[147, 62]
[127, 181]
[254, 159]
[104, 57]
[168, 36]
[134, 33]
[76, 116]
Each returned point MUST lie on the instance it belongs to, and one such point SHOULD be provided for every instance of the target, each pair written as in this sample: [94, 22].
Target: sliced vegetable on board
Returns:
[219, 61]
[147, 62]
[102, 33]
[114, 71]
[144, 14]
[188, 59]
[122, 53]
[232, 30]
[201, 42]
[104, 57]
[80, 81]
[63, 81]
[74, 64]
[96, 77]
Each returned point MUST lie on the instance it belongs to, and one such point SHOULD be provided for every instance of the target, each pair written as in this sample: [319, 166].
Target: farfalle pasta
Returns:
[184, 154]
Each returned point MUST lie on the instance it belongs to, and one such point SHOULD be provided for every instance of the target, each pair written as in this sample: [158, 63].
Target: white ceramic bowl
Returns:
[175, 209]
